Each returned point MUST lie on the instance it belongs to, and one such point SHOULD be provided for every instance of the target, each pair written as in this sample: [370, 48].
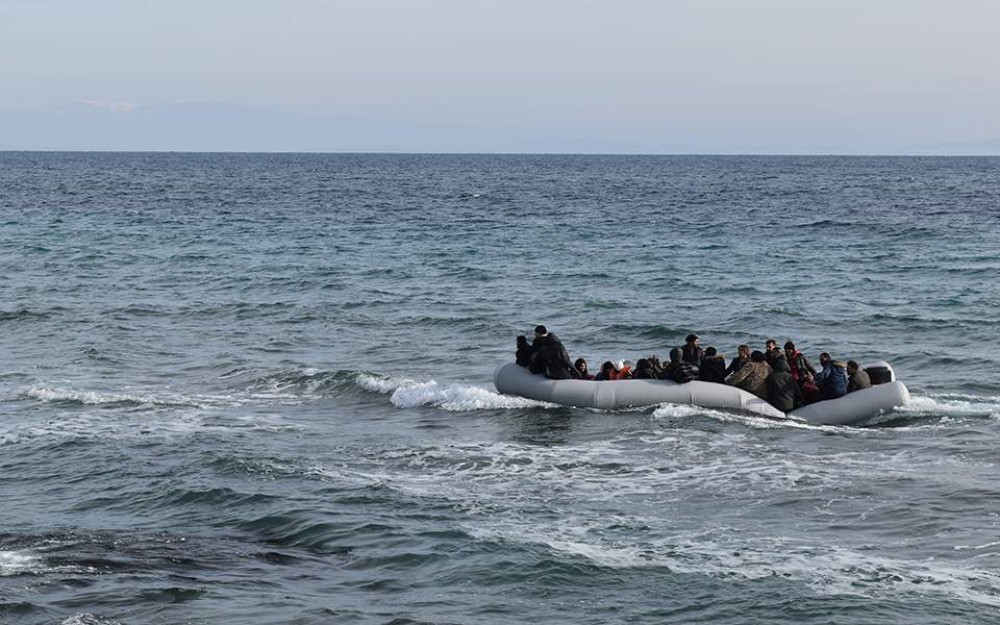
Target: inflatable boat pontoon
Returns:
[885, 394]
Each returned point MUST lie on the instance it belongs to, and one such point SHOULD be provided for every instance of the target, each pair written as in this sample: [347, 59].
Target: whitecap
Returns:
[18, 562]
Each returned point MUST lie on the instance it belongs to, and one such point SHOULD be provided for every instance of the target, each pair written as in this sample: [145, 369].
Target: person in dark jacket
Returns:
[644, 370]
[742, 358]
[713, 367]
[679, 370]
[771, 351]
[550, 356]
[832, 379]
[692, 352]
[523, 354]
[857, 378]
[782, 390]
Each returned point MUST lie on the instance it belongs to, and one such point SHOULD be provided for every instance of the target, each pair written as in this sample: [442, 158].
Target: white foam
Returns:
[457, 397]
[97, 398]
[383, 385]
[407, 393]
[679, 411]
[953, 405]
[17, 563]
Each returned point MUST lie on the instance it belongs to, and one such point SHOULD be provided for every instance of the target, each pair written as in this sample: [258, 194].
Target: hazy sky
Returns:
[713, 75]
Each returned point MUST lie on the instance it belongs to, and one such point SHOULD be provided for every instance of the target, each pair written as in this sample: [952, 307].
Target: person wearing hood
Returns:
[858, 378]
[753, 376]
[713, 367]
[832, 379]
[783, 391]
[549, 356]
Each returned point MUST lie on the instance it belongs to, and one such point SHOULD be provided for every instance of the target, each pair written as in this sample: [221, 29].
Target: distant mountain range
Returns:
[116, 126]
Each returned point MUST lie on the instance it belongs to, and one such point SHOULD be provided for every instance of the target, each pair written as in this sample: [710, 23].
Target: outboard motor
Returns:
[880, 373]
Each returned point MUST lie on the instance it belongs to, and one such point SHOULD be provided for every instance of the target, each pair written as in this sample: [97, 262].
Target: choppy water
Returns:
[257, 389]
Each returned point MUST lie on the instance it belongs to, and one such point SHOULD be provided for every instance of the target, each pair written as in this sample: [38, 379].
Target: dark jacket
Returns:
[858, 381]
[692, 354]
[713, 370]
[832, 380]
[682, 372]
[782, 390]
[736, 364]
[523, 355]
[558, 366]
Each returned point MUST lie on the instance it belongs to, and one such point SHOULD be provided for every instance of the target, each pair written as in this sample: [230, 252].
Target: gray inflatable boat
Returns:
[885, 395]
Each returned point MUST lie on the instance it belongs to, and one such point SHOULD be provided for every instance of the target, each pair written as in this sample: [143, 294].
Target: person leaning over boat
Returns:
[713, 367]
[752, 377]
[742, 358]
[783, 391]
[858, 378]
[549, 356]
[832, 379]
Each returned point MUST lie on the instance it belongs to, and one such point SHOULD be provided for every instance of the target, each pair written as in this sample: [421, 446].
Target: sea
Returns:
[258, 389]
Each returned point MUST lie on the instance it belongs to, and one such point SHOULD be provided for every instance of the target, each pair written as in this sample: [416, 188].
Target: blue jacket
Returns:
[832, 380]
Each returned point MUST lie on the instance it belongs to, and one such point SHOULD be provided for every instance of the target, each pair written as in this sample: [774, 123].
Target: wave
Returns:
[19, 563]
[406, 393]
[97, 398]
[829, 571]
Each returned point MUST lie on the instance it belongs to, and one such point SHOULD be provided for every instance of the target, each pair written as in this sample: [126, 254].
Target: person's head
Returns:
[692, 339]
[522, 341]
[540, 331]
[824, 358]
[642, 363]
[580, 365]
[607, 367]
[852, 367]
[675, 355]
[757, 356]
[618, 364]
[743, 351]
[770, 344]
[789, 349]
[710, 352]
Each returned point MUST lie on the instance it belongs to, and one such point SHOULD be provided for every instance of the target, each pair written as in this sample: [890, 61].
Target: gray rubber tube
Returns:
[512, 379]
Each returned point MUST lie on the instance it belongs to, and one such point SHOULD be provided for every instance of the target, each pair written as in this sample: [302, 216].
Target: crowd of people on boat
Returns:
[783, 377]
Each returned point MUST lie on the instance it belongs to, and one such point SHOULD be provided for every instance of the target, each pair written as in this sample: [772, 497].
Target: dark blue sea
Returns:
[257, 389]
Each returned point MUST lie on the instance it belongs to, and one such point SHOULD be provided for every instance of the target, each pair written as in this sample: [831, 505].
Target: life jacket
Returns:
[622, 374]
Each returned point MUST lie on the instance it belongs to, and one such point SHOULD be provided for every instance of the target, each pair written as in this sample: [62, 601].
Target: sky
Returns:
[689, 76]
